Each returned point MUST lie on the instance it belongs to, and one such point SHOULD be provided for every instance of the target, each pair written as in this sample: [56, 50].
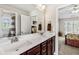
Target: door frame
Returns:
[57, 26]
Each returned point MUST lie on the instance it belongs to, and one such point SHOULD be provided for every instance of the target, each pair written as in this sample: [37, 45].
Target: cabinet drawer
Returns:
[53, 42]
[44, 48]
[49, 46]
[34, 51]
[44, 53]
[44, 43]
[49, 40]
[37, 53]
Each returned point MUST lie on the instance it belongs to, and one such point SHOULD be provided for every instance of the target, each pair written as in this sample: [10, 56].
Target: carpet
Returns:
[66, 49]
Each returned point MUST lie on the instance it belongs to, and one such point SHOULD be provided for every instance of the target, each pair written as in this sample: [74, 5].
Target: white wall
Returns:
[11, 8]
[52, 14]
[61, 26]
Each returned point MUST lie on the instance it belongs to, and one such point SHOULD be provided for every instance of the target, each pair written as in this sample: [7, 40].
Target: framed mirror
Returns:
[7, 24]
[31, 24]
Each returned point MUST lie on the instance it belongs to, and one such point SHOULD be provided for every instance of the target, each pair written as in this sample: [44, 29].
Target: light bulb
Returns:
[41, 6]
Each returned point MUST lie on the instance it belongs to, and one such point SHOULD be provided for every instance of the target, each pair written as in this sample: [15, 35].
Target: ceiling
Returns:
[25, 7]
[66, 11]
[31, 7]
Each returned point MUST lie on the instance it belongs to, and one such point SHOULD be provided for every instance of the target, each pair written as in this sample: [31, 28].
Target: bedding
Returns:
[72, 36]
[72, 40]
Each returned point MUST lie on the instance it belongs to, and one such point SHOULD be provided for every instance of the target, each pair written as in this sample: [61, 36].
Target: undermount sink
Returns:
[17, 48]
[9, 47]
[24, 41]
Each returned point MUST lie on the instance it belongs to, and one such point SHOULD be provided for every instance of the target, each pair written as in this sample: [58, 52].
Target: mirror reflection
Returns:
[7, 24]
[24, 26]
[18, 22]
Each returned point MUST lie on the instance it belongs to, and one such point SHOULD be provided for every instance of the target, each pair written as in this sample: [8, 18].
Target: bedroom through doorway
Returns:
[68, 35]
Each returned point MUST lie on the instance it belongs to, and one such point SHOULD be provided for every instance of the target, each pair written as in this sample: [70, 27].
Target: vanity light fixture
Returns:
[41, 7]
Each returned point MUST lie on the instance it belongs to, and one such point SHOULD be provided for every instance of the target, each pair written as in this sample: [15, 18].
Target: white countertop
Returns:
[32, 40]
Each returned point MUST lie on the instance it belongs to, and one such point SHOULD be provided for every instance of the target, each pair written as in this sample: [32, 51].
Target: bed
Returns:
[72, 40]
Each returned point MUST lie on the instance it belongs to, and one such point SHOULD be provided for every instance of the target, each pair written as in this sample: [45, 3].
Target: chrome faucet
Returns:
[14, 39]
[41, 33]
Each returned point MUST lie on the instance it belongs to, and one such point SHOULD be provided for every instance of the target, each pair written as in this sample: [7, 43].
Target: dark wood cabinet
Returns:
[53, 40]
[49, 47]
[34, 51]
[45, 48]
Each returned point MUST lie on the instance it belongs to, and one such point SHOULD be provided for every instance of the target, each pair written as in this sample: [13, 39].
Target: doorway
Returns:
[68, 30]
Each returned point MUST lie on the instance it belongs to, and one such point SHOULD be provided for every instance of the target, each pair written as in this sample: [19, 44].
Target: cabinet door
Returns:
[53, 44]
[44, 48]
[25, 24]
[34, 51]
[49, 47]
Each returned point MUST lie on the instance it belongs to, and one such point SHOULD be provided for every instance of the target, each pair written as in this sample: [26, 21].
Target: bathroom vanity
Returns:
[32, 44]
[44, 48]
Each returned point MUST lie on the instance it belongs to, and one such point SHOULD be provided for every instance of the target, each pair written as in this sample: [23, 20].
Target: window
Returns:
[7, 24]
[71, 26]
